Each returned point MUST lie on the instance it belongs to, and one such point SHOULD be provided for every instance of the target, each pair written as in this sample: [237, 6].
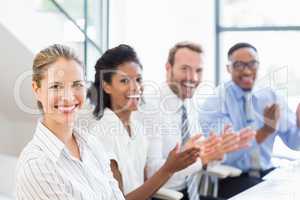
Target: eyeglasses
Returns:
[240, 65]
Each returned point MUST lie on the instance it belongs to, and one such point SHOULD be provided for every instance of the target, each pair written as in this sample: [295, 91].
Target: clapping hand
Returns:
[177, 160]
[194, 141]
[271, 117]
[232, 141]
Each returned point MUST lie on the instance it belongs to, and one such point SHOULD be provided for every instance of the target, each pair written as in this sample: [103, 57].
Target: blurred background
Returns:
[151, 27]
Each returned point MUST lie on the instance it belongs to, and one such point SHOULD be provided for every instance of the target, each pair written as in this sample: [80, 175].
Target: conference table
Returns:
[281, 184]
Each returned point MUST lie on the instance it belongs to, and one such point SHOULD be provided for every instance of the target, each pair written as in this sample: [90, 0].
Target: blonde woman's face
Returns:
[62, 91]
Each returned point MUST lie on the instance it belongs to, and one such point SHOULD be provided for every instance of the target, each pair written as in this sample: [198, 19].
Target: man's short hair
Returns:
[239, 46]
[180, 45]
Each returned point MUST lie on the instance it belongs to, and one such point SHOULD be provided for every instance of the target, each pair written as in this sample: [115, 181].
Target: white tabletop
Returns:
[280, 184]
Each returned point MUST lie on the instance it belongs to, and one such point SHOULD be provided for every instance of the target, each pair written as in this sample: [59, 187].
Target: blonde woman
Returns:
[61, 162]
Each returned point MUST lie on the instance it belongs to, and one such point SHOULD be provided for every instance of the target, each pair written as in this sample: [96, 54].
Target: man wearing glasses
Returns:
[240, 104]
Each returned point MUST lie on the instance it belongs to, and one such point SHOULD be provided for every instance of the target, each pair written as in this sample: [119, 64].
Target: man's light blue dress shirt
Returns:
[226, 105]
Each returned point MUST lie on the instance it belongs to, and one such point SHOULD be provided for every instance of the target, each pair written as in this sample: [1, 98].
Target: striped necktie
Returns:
[248, 109]
[250, 119]
[185, 132]
[193, 180]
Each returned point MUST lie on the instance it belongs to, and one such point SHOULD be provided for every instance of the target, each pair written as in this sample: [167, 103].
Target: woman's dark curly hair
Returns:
[105, 68]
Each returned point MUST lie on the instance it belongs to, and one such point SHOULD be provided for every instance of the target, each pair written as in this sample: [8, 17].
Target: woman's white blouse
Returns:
[47, 170]
[129, 152]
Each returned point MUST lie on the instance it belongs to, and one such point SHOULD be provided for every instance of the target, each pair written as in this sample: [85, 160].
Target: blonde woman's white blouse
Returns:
[47, 170]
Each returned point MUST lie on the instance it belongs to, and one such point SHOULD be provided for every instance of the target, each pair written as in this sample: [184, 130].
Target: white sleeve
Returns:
[155, 157]
[104, 161]
[156, 160]
[106, 140]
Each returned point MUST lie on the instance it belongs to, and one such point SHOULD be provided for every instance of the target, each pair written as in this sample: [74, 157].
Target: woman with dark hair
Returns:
[118, 86]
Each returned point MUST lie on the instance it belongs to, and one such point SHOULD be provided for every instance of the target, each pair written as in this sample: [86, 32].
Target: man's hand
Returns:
[246, 135]
[215, 147]
[233, 141]
[271, 118]
[209, 149]
[229, 140]
[193, 142]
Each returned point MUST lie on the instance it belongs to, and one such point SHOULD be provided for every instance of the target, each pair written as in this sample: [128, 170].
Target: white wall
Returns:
[35, 28]
[153, 27]
[14, 135]
[16, 126]
[24, 30]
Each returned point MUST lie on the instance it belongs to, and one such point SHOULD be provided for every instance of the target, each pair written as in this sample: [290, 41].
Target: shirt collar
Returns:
[51, 145]
[110, 116]
[81, 135]
[170, 100]
[48, 142]
[239, 92]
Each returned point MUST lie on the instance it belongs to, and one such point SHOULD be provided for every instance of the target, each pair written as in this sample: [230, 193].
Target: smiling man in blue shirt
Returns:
[240, 104]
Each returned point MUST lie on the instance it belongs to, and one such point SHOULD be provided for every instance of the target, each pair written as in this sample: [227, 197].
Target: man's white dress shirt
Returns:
[161, 115]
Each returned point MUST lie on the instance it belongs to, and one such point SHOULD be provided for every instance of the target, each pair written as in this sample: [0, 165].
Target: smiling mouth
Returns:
[189, 85]
[67, 109]
[134, 96]
[247, 79]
